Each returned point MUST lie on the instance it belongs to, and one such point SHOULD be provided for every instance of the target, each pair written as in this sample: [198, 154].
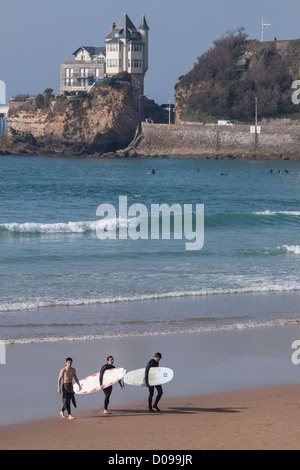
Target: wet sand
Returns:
[265, 418]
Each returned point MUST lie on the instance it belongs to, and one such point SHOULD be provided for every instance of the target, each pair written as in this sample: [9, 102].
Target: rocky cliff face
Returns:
[102, 121]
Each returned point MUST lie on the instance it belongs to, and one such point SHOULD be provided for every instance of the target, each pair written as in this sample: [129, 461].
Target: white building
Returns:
[87, 67]
[3, 107]
[126, 50]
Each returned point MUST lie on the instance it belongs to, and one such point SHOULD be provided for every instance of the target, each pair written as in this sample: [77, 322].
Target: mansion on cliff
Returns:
[126, 50]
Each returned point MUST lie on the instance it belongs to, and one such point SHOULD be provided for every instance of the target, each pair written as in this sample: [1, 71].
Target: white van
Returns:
[225, 123]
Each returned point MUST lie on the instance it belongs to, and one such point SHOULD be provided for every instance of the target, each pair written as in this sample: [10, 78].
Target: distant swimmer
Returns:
[270, 171]
[153, 172]
[224, 174]
[286, 171]
[68, 373]
[197, 170]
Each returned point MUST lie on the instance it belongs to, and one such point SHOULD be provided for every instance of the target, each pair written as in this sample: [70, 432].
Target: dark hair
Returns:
[109, 357]
[69, 359]
[158, 355]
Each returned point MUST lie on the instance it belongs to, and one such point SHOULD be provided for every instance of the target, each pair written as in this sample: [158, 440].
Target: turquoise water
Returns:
[59, 281]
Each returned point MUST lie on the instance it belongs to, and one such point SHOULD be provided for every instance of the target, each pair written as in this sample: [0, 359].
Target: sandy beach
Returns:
[265, 418]
[231, 390]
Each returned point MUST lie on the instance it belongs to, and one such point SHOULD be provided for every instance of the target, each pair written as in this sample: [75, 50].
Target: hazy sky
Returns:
[37, 35]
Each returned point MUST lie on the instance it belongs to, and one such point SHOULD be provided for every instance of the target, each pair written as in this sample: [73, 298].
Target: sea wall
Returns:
[277, 140]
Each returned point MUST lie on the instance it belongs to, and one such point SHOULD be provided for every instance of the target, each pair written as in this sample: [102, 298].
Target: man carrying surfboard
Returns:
[107, 391]
[68, 373]
[153, 363]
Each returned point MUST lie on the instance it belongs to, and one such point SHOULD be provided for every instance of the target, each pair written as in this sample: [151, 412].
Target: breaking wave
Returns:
[208, 328]
[256, 289]
[210, 220]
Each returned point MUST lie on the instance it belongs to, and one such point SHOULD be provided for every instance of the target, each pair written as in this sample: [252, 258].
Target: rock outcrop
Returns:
[225, 81]
[103, 120]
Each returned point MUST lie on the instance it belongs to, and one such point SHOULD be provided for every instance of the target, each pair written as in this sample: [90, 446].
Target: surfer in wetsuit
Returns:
[107, 391]
[68, 373]
[153, 363]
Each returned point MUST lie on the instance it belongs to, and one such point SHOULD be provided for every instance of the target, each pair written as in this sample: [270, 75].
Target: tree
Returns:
[39, 101]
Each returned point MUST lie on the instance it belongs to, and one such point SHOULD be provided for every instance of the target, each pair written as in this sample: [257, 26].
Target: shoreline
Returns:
[262, 418]
[155, 155]
[278, 141]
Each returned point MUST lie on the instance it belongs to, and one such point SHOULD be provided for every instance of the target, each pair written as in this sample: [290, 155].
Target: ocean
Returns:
[59, 281]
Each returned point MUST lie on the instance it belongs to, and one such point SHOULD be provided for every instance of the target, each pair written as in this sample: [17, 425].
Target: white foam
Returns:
[268, 212]
[16, 306]
[212, 328]
[292, 249]
[69, 227]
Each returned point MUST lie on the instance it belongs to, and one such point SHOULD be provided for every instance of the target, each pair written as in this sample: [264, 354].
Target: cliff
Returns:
[101, 121]
[278, 140]
[226, 80]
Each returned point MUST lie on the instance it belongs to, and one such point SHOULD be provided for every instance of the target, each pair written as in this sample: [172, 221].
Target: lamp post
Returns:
[255, 115]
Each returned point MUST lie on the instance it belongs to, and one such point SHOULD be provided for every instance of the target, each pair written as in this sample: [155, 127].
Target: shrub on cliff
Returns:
[42, 100]
[119, 77]
[226, 80]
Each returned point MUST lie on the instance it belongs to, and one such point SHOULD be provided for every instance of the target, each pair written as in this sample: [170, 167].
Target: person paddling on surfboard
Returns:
[153, 363]
[107, 391]
[68, 373]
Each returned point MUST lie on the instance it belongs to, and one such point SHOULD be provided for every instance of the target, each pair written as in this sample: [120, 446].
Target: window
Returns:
[136, 63]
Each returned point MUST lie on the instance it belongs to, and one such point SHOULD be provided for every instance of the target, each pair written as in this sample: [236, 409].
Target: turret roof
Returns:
[143, 24]
[124, 29]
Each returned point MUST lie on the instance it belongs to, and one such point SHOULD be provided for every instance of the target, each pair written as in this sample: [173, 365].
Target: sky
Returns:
[37, 35]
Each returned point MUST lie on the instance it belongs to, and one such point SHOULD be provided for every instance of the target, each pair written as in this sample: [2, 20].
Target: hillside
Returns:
[225, 81]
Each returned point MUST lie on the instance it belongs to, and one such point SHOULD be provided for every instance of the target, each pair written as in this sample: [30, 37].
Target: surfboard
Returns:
[91, 383]
[157, 376]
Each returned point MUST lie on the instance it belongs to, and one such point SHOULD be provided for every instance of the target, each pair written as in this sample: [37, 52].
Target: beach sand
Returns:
[265, 418]
[235, 389]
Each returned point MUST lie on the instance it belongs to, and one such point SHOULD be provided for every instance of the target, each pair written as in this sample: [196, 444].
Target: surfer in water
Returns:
[68, 373]
[153, 363]
[107, 391]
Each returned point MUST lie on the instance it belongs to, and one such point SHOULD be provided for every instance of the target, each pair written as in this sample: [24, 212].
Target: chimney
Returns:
[113, 25]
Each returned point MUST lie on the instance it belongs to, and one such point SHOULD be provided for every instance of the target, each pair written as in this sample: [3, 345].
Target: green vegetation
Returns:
[226, 80]
[43, 100]
[119, 77]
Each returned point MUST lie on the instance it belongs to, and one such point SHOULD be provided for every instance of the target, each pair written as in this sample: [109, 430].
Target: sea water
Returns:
[59, 281]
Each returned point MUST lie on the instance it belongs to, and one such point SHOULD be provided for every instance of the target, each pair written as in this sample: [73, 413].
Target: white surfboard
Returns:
[157, 376]
[91, 383]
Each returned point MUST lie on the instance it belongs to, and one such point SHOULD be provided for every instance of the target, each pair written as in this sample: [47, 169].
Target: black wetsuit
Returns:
[107, 391]
[68, 397]
[152, 363]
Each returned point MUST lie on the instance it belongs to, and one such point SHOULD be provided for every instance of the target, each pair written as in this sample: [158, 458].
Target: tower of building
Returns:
[127, 50]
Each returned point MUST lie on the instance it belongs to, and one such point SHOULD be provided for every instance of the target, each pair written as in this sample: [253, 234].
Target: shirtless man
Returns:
[68, 373]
